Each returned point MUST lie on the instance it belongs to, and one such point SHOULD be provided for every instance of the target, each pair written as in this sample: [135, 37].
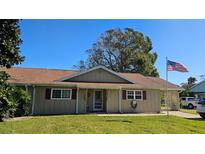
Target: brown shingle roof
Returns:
[49, 76]
[36, 75]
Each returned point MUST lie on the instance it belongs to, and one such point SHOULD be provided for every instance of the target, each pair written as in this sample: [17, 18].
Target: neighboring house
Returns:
[199, 89]
[96, 90]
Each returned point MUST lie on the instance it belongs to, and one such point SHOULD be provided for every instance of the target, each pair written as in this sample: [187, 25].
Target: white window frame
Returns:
[61, 98]
[134, 94]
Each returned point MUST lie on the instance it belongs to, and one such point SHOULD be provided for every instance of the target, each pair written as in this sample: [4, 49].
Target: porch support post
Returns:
[107, 93]
[26, 86]
[86, 101]
[33, 100]
[76, 107]
[120, 100]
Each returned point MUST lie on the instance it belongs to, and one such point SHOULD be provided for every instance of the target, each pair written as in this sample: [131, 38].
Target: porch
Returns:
[98, 100]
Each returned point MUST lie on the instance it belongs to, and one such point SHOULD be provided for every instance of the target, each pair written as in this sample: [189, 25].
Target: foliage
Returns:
[192, 111]
[22, 98]
[9, 55]
[162, 98]
[12, 99]
[122, 51]
[7, 105]
[190, 82]
[81, 66]
[9, 43]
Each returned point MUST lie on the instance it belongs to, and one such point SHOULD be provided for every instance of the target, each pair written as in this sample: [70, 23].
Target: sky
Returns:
[60, 44]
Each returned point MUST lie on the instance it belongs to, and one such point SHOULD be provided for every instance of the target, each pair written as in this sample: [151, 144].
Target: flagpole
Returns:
[167, 86]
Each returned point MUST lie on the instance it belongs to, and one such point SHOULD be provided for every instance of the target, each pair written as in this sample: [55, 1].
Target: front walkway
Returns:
[163, 113]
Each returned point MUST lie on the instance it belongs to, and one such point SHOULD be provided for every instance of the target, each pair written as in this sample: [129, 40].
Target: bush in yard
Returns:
[14, 101]
[23, 100]
[7, 104]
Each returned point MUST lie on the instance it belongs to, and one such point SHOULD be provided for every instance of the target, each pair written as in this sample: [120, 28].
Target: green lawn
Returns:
[192, 111]
[91, 124]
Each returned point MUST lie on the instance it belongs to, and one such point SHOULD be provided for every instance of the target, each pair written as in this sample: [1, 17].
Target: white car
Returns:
[188, 102]
[201, 108]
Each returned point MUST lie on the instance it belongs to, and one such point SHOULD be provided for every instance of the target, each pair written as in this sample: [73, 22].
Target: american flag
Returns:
[174, 66]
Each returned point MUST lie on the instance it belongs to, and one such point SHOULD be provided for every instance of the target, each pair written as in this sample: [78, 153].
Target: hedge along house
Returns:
[96, 90]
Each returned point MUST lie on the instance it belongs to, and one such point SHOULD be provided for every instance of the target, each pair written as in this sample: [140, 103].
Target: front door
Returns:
[98, 100]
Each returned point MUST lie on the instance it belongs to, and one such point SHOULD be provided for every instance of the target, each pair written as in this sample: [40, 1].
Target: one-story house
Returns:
[98, 89]
[199, 89]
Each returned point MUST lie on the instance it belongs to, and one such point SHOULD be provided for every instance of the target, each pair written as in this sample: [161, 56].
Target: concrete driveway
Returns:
[182, 114]
[163, 113]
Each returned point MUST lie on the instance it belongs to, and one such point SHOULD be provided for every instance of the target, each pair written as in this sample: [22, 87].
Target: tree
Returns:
[190, 82]
[202, 77]
[81, 66]
[10, 42]
[122, 51]
[9, 55]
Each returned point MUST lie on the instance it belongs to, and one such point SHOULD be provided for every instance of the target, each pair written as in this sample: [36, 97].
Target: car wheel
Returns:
[190, 106]
[202, 115]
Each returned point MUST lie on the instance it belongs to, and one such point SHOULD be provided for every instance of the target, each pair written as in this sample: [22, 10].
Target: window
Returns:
[183, 98]
[134, 94]
[190, 99]
[56, 94]
[130, 94]
[65, 93]
[138, 94]
[61, 94]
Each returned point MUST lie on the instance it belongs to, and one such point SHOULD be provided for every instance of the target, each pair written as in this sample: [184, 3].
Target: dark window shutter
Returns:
[74, 91]
[144, 95]
[48, 93]
[123, 94]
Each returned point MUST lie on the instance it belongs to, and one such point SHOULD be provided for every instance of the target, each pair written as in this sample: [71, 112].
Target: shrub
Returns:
[7, 105]
[23, 100]
[13, 100]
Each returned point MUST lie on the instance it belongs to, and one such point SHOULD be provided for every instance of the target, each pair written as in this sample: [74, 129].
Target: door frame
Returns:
[94, 109]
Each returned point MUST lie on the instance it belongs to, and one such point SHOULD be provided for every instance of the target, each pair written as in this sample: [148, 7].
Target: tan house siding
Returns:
[43, 106]
[112, 101]
[90, 100]
[30, 92]
[151, 104]
[98, 75]
[82, 101]
[104, 100]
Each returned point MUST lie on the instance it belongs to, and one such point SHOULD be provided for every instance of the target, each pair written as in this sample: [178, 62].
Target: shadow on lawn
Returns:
[196, 119]
[126, 121]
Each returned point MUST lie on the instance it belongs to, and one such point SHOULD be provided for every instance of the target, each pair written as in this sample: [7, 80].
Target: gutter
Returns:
[75, 85]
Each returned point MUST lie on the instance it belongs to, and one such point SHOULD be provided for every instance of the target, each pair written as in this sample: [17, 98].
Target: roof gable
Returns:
[97, 74]
[200, 87]
[42, 76]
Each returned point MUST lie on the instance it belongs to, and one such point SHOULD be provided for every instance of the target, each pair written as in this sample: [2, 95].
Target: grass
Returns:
[192, 111]
[91, 124]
